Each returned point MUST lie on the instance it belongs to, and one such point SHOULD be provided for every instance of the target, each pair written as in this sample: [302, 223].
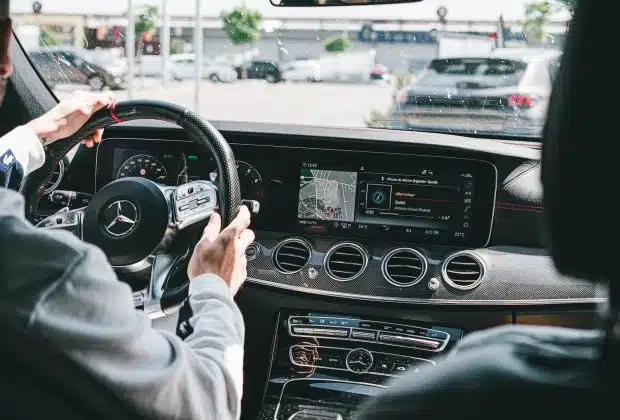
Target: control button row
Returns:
[189, 190]
[431, 340]
[328, 332]
[370, 325]
[335, 358]
[407, 340]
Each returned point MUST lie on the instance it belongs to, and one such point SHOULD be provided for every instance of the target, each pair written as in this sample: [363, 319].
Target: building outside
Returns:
[399, 45]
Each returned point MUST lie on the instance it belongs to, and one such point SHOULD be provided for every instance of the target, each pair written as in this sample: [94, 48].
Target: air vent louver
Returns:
[404, 267]
[463, 271]
[291, 255]
[345, 262]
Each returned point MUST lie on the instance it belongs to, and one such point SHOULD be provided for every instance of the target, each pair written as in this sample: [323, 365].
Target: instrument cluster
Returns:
[176, 167]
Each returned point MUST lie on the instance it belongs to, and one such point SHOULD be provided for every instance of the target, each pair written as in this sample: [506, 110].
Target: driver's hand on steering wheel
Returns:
[223, 253]
[69, 115]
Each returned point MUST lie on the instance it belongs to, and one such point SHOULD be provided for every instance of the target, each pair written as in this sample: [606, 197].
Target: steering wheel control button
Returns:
[252, 251]
[194, 202]
[68, 220]
[138, 299]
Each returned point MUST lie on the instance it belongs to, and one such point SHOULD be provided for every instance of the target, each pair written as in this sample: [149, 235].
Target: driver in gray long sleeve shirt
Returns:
[67, 291]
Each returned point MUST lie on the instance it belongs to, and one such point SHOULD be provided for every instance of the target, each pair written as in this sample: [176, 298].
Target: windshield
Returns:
[485, 68]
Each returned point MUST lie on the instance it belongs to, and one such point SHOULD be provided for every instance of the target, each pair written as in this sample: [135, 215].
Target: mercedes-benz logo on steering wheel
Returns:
[120, 218]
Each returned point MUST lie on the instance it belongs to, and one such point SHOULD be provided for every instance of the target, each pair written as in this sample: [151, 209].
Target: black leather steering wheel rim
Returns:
[208, 139]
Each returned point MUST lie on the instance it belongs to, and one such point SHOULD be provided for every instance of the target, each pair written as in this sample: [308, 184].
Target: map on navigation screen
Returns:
[327, 195]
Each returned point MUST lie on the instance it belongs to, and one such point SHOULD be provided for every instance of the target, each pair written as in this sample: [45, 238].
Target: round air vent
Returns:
[404, 267]
[57, 173]
[463, 270]
[346, 261]
[291, 255]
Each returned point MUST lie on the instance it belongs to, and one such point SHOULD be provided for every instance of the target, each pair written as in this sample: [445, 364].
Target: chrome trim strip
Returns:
[391, 254]
[334, 248]
[287, 241]
[472, 255]
[427, 301]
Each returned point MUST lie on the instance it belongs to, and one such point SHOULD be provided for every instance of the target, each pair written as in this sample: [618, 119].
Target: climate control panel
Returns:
[363, 330]
[313, 350]
[358, 360]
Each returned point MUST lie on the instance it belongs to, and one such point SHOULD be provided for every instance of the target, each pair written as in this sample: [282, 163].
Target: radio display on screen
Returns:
[437, 201]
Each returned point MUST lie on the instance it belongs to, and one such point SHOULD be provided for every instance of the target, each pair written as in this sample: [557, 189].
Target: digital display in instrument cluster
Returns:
[436, 201]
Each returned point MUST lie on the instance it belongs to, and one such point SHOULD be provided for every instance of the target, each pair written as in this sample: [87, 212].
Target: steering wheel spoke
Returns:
[70, 220]
[193, 202]
[164, 266]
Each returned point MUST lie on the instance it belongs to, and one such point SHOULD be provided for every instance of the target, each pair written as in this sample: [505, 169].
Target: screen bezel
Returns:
[279, 211]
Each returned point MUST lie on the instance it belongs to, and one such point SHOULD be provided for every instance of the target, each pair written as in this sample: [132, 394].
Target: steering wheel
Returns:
[134, 220]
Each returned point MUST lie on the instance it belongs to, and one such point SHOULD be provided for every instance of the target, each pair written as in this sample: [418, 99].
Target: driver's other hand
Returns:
[223, 253]
[69, 115]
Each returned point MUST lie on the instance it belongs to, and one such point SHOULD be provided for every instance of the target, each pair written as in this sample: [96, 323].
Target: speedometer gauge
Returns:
[145, 166]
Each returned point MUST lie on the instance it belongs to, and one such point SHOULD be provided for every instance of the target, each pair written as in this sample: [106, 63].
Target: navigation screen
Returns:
[327, 195]
[434, 200]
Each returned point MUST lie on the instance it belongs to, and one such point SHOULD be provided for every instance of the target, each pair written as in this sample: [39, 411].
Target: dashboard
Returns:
[418, 198]
[371, 245]
[361, 215]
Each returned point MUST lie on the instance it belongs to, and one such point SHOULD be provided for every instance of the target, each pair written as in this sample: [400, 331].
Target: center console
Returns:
[324, 366]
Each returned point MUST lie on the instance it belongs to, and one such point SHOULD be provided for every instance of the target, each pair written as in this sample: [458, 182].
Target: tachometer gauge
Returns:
[250, 181]
[145, 166]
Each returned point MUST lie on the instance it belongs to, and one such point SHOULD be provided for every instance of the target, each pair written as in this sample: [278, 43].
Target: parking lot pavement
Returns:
[326, 104]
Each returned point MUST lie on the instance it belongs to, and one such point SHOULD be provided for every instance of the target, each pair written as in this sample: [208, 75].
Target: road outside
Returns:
[319, 104]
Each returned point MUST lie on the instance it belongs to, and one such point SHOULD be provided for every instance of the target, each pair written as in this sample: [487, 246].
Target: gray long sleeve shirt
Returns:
[66, 290]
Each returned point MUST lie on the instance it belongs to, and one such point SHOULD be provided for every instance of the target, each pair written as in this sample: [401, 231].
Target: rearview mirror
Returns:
[310, 3]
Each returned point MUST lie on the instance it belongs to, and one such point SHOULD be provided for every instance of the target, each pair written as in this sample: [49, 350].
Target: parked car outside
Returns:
[151, 66]
[217, 72]
[66, 65]
[381, 72]
[302, 71]
[262, 69]
[111, 59]
[508, 90]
